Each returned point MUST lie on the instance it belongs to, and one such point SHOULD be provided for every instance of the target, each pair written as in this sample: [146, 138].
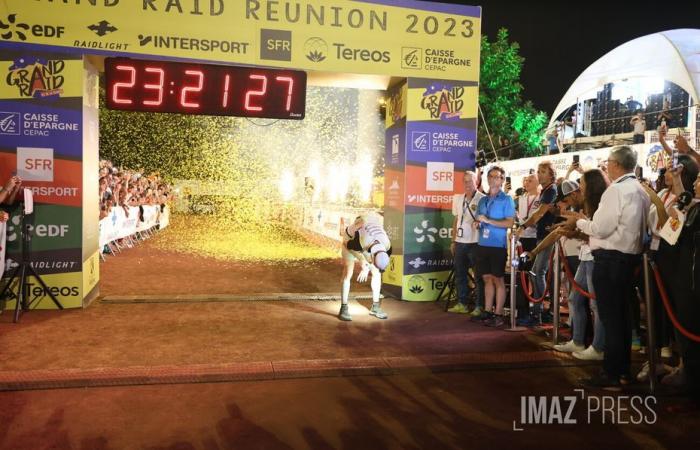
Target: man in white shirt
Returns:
[464, 242]
[619, 226]
[368, 243]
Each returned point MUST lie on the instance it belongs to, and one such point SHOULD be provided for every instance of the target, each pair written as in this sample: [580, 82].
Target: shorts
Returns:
[491, 261]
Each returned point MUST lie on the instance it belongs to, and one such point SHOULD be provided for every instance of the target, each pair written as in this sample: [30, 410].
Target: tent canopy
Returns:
[673, 55]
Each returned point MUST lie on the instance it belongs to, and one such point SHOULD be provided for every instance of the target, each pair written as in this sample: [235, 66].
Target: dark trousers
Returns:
[465, 259]
[613, 280]
[521, 302]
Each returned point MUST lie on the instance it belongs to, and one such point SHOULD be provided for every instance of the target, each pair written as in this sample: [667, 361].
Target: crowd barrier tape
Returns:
[572, 278]
[119, 225]
[667, 305]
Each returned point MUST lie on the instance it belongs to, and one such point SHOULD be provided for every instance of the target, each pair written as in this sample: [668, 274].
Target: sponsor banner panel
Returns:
[428, 141]
[443, 101]
[394, 273]
[91, 273]
[36, 164]
[395, 145]
[432, 186]
[393, 225]
[396, 104]
[394, 189]
[42, 127]
[428, 262]
[42, 77]
[53, 227]
[424, 287]
[401, 39]
[428, 232]
[66, 287]
[50, 261]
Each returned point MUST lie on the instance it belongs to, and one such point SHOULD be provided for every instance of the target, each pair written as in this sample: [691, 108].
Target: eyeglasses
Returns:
[495, 177]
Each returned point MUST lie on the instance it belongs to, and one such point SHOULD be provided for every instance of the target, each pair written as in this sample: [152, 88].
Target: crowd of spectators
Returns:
[125, 188]
[604, 219]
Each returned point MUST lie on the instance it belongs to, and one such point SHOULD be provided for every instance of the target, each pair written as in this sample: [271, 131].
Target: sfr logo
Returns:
[35, 163]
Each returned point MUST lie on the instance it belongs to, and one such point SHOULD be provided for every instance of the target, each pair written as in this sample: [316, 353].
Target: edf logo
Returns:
[440, 176]
[35, 164]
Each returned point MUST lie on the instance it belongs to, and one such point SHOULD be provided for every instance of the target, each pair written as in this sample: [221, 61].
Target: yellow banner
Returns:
[438, 41]
[394, 273]
[91, 273]
[42, 78]
[396, 105]
[449, 101]
[64, 286]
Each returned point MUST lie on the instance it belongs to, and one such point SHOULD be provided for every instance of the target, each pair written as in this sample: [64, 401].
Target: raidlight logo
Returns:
[411, 57]
[443, 101]
[440, 176]
[559, 410]
[35, 164]
[21, 30]
[102, 28]
[416, 263]
[37, 77]
[9, 123]
[421, 141]
[416, 284]
[315, 49]
[276, 45]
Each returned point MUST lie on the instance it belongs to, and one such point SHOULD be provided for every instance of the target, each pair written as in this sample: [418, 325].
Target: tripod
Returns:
[22, 272]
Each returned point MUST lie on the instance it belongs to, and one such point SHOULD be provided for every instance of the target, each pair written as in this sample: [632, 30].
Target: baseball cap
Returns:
[565, 188]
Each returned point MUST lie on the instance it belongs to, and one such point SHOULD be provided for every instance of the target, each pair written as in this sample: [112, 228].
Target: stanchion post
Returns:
[555, 294]
[513, 271]
[651, 334]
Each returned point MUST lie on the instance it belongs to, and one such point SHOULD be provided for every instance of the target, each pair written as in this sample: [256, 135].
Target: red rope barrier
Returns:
[571, 277]
[523, 282]
[667, 306]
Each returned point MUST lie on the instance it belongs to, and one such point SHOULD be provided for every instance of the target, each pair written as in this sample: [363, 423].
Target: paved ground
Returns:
[290, 375]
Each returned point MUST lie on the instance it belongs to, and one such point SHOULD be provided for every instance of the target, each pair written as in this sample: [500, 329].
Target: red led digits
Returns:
[156, 87]
[227, 82]
[290, 89]
[204, 89]
[130, 84]
[193, 89]
[259, 93]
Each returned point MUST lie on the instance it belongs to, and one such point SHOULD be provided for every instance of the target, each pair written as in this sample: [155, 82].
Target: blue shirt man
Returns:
[499, 207]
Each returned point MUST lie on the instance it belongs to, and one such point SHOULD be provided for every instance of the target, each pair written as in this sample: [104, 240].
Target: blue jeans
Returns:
[464, 259]
[584, 278]
[540, 269]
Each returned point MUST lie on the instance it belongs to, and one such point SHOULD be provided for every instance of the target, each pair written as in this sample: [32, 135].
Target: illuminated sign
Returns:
[185, 88]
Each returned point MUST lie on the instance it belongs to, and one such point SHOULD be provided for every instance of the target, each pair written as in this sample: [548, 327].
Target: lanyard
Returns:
[529, 205]
[625, 178]
[464, 201]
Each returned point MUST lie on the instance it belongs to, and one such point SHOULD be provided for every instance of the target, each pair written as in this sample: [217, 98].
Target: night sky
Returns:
[560, 39]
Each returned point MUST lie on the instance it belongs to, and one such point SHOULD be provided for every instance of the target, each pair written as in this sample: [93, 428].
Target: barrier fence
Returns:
[129, 223]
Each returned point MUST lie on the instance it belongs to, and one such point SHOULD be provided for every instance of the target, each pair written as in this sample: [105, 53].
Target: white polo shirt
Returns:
[465, 212]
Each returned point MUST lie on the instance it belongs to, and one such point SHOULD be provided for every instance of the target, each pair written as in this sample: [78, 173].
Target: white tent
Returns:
[673, 55]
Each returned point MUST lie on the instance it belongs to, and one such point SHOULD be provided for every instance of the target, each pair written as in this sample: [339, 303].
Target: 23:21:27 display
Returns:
[204, 89]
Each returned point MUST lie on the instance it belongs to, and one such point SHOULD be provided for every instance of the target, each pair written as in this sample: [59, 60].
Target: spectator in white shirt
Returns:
[619, 225]
[465, 240]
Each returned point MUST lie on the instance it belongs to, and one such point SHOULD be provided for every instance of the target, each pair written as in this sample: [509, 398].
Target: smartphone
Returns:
[576, 159]
[639, 172]
[532, 171]
[508, 180]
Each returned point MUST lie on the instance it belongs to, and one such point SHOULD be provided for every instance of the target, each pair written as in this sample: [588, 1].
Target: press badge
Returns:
[460, 232]
[485, 232]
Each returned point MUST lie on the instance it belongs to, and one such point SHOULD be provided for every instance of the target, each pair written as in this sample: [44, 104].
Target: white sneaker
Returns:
[675, 378]
[661, 369]
[589, 354]
[666, 352]
[569, 347]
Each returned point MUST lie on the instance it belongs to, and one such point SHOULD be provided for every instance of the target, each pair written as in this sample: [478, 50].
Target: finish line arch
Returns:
[426, 55]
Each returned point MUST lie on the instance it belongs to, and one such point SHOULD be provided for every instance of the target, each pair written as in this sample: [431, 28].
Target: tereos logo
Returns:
[416, 284]
[315, 49]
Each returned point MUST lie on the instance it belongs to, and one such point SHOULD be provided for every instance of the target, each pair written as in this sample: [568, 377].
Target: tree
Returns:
[500, 97]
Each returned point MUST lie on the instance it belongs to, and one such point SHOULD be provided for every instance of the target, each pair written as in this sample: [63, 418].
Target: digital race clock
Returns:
[186, 88]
